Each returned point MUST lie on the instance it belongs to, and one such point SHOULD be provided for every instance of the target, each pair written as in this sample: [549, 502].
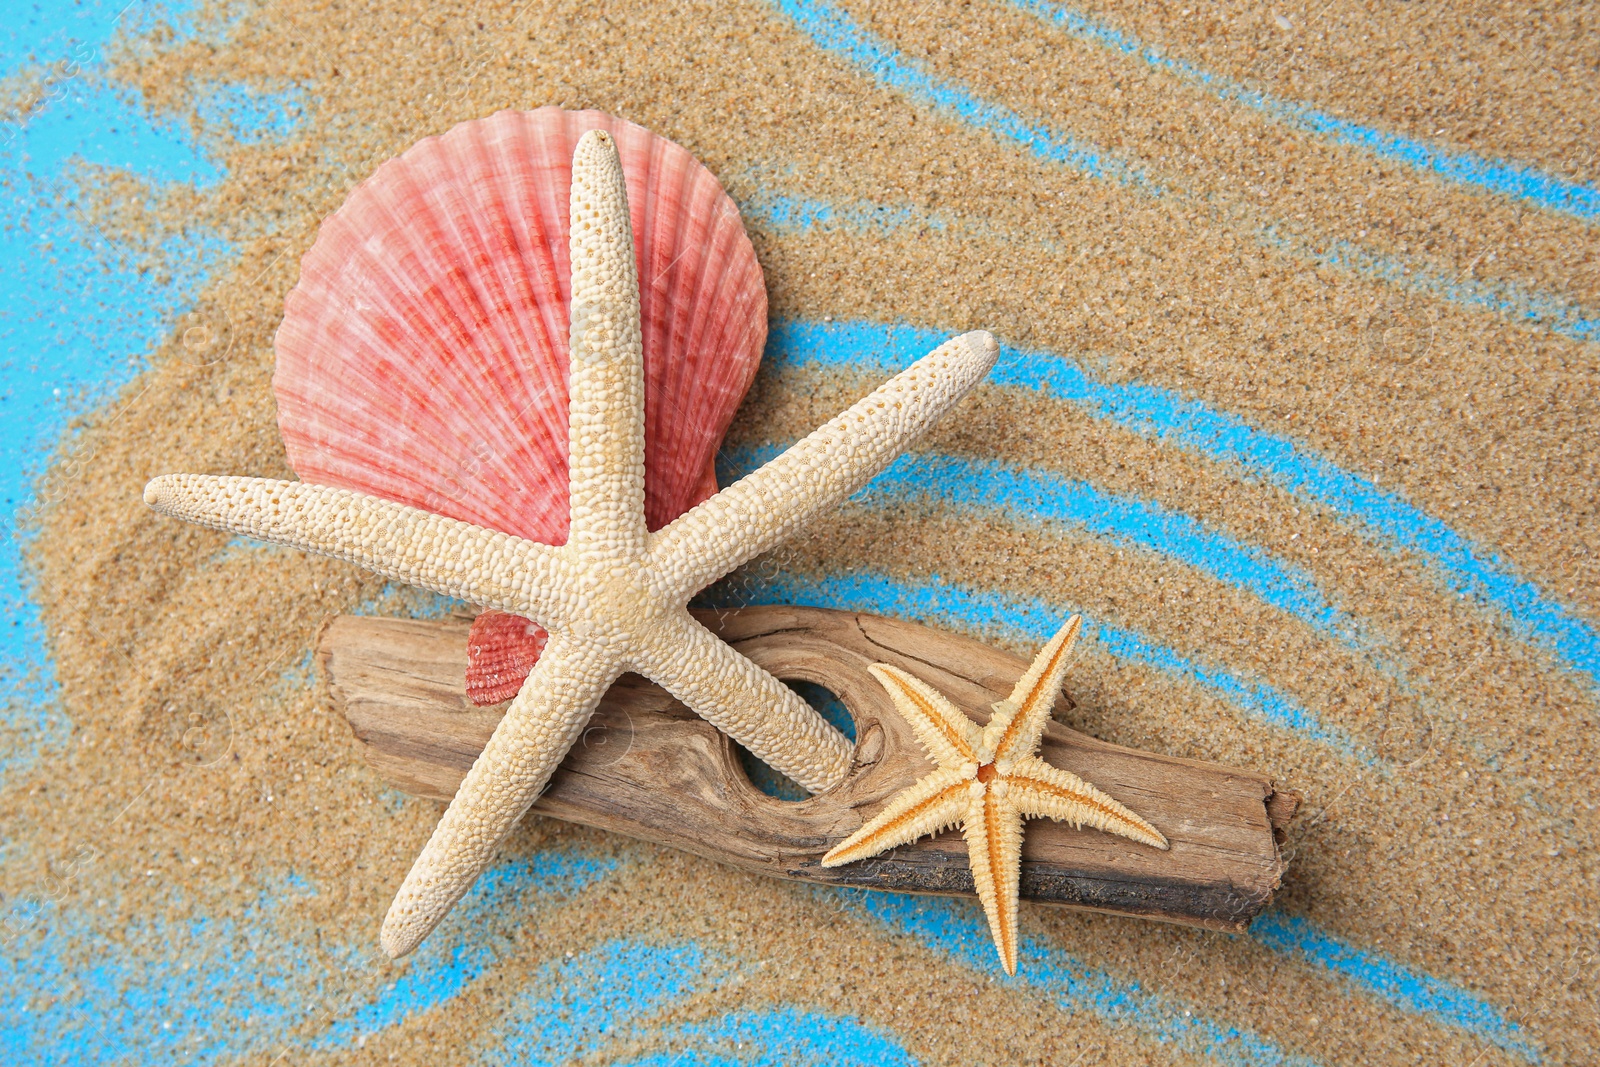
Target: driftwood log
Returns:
[649, 768]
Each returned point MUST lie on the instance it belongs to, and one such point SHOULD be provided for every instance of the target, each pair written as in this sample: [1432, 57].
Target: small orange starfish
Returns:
[988, 780]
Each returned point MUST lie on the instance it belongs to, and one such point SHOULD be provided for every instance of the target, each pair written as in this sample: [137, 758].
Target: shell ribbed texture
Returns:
[423, 354]
[501, 649]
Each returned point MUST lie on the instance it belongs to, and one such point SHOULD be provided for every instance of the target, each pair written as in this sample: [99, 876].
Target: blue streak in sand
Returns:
[1466, 169]
[1420, 994]
[833, 31]
[1462, 566]
[130, 996]
[1030, 495]
[76, 331]
[612, 993]
[958, 930]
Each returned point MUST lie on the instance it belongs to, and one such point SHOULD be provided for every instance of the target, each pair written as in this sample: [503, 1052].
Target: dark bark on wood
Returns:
[649, 768]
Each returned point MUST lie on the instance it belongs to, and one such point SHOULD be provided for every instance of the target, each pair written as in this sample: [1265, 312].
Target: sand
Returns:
[1461, 849]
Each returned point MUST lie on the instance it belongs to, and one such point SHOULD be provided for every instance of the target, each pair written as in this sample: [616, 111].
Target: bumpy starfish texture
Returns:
[988, 780]
[614, 597]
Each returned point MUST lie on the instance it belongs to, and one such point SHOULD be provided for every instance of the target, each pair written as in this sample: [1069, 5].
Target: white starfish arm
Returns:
[407, 544]
[1019, 720]
[743, 701]
[539, 727]
[936, 802]
[945, 733]
[606, 415]
[993, 830]
[1040, 791]
[760, 510]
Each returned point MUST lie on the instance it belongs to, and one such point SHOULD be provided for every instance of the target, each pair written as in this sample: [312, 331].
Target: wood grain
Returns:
[649, 768]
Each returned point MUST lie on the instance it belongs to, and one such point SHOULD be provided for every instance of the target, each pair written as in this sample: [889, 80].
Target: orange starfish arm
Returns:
[1019, 720]
[945, 733]
[934, 803]
[993, 830]
[1041, 791]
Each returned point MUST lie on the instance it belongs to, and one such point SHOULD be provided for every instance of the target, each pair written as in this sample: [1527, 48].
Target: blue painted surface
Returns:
[1549, 312]
[1421, 994]
[778, 1037]
[1028, 495]
[804, 213]
[588, 1004]
[75, 990]
[1548, 191]
[1033, 621]
[448, 962]
[40, 37]
[578, 1006]
[834, 32]
[79, 992]
[790, 214]
[1461, 566]
[73, 333]
[958, 929]
[251, 116]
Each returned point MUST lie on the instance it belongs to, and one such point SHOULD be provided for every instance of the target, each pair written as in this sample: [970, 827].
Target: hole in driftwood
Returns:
[781, 786]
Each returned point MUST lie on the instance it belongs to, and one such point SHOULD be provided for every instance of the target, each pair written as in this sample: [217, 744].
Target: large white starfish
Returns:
[614, 597]
[987, 780]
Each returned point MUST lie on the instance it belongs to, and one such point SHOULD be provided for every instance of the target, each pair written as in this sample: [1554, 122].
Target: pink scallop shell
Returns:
[423, 353]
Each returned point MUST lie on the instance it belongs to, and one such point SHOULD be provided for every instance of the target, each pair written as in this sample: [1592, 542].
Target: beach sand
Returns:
[1204, 252]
